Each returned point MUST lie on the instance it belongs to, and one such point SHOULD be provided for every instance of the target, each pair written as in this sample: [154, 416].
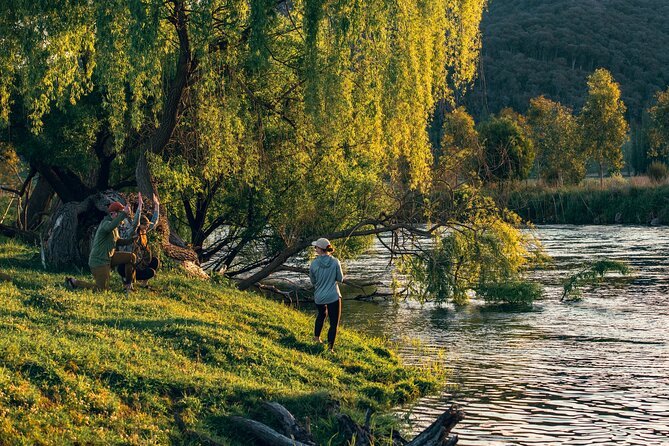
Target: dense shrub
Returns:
[657, 171]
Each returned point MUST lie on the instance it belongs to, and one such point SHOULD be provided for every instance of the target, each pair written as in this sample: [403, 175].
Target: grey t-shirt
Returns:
[324, 273]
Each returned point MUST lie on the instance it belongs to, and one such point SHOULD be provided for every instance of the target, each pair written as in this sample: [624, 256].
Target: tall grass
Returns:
[636, 200]
[98, 368]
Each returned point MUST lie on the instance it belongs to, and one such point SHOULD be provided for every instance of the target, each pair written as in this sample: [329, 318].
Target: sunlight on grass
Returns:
[102, 368]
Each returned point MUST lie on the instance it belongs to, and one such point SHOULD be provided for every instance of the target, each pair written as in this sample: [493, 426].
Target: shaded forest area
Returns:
[535, 47]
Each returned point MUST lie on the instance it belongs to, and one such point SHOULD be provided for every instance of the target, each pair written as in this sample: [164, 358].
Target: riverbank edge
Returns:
[626, 204]
[158, 365]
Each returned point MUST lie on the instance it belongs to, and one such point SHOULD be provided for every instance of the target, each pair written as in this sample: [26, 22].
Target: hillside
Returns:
[549, 47]
[85, 368]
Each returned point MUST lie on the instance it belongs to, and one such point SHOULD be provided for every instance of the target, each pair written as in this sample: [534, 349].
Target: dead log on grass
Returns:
[437, 434]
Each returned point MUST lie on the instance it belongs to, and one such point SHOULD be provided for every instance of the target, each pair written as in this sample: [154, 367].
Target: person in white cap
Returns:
[324, 273]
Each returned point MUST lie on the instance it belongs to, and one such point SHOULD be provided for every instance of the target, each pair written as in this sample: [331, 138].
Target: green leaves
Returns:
[659, 125]
[591, 274]
[602, 121]
[560, 157]
[509, 151]
[485, 257]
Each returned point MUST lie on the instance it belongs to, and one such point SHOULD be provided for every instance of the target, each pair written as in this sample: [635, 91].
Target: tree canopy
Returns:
[659, 125]
[560, 158]
[603, 125]
[262, 124]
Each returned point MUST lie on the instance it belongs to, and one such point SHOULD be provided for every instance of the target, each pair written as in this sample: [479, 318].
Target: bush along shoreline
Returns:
[173, 364]
[615, 204]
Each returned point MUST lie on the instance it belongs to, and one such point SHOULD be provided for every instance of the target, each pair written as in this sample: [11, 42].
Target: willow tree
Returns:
[602, 120]
[273, 120]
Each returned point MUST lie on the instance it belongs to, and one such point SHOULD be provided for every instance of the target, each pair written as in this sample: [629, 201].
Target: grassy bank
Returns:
[85, 368]
[626, 201]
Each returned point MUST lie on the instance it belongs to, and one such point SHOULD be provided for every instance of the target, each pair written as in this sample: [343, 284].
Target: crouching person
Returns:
[103, 256]
[146, 265]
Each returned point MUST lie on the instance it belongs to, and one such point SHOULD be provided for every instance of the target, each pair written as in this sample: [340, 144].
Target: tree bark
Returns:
[38, 204]
[437, 434]
[266, 434]
[72, 228]
[172, 244]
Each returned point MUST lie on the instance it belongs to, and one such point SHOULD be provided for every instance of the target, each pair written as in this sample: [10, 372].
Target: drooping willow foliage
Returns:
[291, 118]
[591, 274]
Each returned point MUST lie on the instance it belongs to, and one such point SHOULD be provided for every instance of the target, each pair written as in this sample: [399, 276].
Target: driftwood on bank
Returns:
[437, 434]
[288, 290]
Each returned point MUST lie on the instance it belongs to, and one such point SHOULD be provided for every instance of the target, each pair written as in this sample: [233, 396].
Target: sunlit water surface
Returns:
[594, 372]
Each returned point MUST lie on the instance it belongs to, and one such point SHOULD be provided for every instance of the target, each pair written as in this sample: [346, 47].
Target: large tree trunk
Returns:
[72, 227]
[38, 205]
[171, 243]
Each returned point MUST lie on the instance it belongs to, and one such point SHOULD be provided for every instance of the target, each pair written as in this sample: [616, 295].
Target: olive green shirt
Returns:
[104, 242]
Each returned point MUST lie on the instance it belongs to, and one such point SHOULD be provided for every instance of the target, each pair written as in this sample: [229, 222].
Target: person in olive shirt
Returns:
[324, 273]
[103, 256]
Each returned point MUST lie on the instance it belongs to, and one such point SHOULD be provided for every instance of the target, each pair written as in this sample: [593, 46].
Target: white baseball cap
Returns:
[322, 243]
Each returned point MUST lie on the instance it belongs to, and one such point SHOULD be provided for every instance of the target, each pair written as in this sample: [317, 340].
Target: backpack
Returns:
[142, 251]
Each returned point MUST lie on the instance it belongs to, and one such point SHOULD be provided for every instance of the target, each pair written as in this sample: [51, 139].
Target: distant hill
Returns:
[533, 47]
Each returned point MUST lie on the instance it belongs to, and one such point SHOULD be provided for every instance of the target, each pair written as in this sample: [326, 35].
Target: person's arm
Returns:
[138, 213]
[312, 276]
[110, 225]
[124, 241]
[156, 213]
[340, 273]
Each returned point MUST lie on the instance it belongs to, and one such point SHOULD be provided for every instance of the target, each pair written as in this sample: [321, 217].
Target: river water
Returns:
[592, 372]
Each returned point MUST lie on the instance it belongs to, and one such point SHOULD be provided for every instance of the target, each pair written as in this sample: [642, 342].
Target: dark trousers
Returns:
[143, 274]
[333, 311]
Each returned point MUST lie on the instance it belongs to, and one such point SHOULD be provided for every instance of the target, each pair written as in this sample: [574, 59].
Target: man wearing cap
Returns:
[103, 256]
[324, 273]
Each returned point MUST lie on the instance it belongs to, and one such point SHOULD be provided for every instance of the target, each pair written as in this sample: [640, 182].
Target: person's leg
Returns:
[121, 271]
[154, 264]
[100, 274]
[320, 318]
[127, 259]
[147, 273]
[334, 312]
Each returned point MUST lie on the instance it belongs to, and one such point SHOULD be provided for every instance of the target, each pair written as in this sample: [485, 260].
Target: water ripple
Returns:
[595, 372]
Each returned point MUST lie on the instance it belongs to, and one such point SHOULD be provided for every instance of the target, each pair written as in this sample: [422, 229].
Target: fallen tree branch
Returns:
[27, 236]
[437, 434]
[290, 425]
[266, 433]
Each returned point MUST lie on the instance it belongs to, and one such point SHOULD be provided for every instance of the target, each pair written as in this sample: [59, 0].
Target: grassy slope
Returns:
[79, 367]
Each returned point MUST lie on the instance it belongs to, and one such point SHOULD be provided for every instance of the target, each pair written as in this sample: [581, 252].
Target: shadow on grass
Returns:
[290, 341]
[23, 261]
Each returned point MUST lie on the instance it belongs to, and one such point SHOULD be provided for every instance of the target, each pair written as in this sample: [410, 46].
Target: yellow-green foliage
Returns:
[477, 257]
[102, 368]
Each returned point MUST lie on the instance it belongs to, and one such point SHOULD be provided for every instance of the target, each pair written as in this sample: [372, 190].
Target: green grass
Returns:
[79, 367]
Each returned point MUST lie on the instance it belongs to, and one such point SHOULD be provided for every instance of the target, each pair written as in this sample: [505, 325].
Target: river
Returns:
[592, 372]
